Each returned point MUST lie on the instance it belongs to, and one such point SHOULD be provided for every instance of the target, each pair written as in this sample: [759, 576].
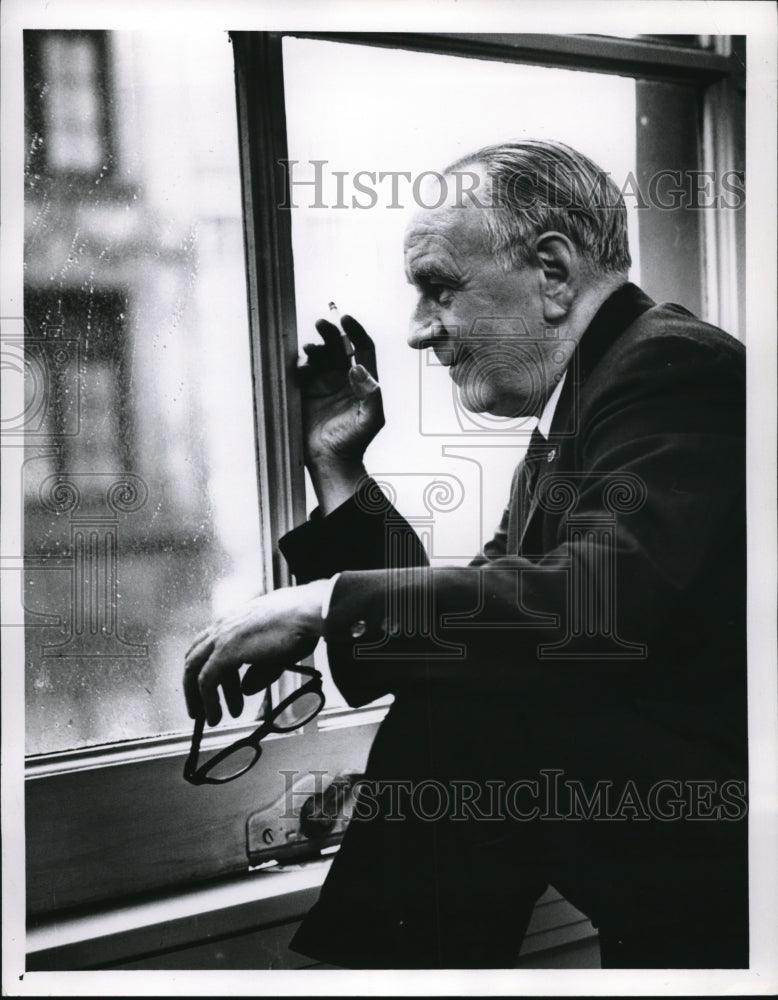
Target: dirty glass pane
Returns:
[361, 144]
[140, 479]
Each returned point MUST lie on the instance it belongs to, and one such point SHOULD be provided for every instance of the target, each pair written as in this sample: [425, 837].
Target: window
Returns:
[155, 476]
[142, 517]
[69, 103]
[164, 464]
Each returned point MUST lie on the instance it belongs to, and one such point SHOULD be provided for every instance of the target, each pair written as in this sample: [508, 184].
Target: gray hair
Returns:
[536, 186]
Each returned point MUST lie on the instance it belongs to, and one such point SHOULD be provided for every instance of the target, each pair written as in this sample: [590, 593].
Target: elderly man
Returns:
[584, 679]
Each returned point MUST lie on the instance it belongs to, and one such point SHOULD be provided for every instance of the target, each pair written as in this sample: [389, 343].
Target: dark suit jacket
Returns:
[601, 632]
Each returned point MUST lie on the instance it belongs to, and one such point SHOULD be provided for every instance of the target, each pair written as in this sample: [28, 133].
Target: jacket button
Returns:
[358, 629]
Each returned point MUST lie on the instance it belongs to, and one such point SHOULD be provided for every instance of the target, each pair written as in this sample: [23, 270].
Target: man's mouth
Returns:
[450, 355]
[461, 362]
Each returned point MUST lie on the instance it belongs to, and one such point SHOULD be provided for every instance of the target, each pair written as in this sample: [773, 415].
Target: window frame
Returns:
[76, 866]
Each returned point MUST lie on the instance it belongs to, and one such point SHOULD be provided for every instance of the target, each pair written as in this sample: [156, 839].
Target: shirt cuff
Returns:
[327, 599]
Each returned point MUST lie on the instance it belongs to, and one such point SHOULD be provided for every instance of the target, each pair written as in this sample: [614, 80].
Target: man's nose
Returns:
[423, 327]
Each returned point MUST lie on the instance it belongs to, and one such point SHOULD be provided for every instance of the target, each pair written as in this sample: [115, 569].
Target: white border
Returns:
[755, 19]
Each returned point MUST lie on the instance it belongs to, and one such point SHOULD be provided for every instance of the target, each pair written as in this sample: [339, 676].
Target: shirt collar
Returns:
[546, 417]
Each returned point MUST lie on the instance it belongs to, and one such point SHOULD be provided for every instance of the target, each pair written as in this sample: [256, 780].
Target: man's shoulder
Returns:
[669, 327]
[668, 335]
[673, 368]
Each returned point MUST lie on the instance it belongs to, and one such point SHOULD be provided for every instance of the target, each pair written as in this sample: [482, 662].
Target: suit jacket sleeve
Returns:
[665, 415]
[358, 535]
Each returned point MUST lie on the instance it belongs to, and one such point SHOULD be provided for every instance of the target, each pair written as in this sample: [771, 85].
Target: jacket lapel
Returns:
[614, 316]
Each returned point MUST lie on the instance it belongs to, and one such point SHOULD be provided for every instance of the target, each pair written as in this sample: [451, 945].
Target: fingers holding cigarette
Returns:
[348, 339]
[346, 343]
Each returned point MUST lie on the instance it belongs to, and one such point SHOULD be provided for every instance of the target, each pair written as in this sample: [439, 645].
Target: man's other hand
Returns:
[270, 633]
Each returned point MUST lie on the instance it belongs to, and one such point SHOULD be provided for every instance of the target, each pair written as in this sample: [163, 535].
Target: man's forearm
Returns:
[335, 482]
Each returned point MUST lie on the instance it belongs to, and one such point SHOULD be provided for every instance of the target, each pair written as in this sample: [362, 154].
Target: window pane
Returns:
[140, 484]
[401, 113]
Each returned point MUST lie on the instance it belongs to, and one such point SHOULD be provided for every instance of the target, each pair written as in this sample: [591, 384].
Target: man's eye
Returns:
[442, 294]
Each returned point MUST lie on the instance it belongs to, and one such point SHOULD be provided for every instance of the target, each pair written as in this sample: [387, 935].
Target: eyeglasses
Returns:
[294, 711]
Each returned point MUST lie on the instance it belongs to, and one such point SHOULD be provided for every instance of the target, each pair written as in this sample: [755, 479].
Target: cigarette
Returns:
[348, 347]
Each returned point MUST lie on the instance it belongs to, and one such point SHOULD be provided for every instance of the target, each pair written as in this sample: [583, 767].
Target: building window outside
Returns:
[75, 97]
[69, 102]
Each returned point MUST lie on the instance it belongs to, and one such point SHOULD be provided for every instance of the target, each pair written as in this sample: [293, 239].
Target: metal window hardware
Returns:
[307, 820]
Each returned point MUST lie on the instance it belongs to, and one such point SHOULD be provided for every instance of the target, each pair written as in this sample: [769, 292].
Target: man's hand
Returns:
[342, 409]
[270, 633]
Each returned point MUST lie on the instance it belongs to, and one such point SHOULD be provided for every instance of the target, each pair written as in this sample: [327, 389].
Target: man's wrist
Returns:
[335, 481]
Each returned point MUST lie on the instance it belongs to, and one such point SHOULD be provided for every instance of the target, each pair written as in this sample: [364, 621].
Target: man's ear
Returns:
[559, 273]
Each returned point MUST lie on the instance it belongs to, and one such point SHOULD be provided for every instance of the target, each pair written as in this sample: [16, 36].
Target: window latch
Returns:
[309, 820]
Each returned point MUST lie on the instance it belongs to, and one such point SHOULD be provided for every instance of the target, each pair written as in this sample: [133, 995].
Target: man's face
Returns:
[484, 323]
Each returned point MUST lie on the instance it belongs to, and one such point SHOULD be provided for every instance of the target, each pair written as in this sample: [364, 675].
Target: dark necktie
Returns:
[523, 489]
[533, 460]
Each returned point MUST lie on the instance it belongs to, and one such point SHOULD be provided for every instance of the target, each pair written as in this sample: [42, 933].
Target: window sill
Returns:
[105, 938]
[249, 904]
[89, 815]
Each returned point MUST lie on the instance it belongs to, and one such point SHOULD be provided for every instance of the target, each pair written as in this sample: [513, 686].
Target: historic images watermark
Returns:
[549, 796]
[313, 184]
